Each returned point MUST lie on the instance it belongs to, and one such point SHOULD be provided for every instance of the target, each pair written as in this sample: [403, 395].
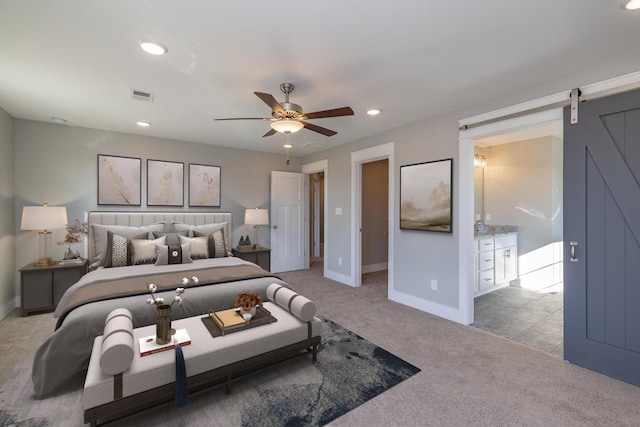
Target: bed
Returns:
[120, 248]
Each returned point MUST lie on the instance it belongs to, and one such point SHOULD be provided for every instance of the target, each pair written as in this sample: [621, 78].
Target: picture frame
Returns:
[119, 180]
[204, 185]
[426, 196]
[165, 183]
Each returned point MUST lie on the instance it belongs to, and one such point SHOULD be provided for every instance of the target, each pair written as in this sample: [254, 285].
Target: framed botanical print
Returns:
[426, 196]
[165, 183]
[204, 185]
[118, 180]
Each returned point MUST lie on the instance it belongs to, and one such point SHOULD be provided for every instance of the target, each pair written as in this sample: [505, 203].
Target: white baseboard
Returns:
[338, 277]
[372, 268]
[436, 309]
[8, 307]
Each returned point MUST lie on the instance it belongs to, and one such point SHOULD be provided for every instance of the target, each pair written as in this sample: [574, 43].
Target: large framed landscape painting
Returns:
[118, 180]
[426, 196]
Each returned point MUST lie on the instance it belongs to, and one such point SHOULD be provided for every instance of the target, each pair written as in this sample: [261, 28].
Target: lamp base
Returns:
[45, 262]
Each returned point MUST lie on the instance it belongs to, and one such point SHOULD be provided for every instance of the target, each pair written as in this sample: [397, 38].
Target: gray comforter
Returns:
[68, 349]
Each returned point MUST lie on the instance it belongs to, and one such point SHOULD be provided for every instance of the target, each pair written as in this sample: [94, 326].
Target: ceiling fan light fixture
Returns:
[286, 126]
[632, 5]
[153, 48]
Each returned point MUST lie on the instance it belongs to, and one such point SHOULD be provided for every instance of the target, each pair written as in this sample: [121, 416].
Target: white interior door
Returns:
[287, 221]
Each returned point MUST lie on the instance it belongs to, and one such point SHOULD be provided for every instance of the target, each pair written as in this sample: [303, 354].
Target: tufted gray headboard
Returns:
[137, 219]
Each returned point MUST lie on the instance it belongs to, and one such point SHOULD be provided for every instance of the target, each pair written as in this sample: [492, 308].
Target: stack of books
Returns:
[71, 261]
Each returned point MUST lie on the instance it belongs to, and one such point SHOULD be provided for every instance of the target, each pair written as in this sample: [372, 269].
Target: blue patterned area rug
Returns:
[350, 370]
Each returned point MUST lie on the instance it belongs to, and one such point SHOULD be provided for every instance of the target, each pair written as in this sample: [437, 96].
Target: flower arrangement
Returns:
[74, 235]
[179, 291]
[247, 299]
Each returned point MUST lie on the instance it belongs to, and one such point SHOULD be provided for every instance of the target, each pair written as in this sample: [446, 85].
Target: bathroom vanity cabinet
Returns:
[496, 261]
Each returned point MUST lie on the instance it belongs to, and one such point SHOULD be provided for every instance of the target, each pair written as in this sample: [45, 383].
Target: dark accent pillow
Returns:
[119, 249]
[216, 242]
[180, 254]
[172, 238]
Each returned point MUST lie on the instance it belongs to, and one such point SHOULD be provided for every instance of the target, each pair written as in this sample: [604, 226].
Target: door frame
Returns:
[466, 140]
[320, 166]
[367, 155]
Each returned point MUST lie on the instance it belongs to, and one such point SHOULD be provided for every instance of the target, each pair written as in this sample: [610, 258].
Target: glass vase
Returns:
[163, 324]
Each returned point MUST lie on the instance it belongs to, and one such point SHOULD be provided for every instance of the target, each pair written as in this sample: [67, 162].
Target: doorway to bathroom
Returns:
[518, 236]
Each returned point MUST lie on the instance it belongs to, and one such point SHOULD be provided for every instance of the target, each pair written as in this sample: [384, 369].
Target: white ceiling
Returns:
[79, 59]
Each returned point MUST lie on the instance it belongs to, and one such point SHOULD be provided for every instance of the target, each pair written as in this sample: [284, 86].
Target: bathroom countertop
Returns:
[494, 230]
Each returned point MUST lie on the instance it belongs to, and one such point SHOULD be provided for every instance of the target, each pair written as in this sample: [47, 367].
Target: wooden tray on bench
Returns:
[262, 317]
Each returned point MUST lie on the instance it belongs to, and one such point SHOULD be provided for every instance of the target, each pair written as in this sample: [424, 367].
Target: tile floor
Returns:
[530, 317]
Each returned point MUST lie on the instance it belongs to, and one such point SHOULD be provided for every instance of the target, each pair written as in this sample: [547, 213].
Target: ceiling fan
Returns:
[287, 117]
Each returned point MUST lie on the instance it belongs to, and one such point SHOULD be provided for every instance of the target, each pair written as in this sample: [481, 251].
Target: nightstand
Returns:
[261, 256]
[42, 287]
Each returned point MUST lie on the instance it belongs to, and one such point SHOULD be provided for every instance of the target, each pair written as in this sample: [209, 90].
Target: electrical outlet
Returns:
[434, 285]
[478, 217]
[488, 217]
[339, 261]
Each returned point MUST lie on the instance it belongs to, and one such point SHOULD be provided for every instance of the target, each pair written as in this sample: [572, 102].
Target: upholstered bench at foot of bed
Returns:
[150, 380]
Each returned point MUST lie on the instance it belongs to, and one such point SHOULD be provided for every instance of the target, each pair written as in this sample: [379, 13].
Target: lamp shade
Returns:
[286, 125]
[43, 217]
[256, 216]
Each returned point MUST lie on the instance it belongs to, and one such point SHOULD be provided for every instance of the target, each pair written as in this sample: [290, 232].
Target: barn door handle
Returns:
[573, 245]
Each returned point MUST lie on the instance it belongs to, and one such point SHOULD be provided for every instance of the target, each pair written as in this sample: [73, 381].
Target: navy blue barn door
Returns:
[602, 235]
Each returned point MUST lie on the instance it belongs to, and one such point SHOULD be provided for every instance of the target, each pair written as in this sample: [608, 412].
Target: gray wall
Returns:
[522, 189]
[7, 234]
[421, 256]
[57, 164]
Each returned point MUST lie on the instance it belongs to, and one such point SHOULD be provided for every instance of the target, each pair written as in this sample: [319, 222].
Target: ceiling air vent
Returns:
[141, 95]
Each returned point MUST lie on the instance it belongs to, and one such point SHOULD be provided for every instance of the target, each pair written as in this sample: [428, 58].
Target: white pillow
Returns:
[199, 246]
[144, 251]
[301, 307]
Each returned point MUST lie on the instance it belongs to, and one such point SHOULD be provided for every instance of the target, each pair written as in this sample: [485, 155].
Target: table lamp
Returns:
[44, 218]
[256, 217]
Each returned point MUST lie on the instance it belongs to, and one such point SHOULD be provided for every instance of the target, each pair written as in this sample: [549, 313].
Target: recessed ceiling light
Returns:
[143, 124]
[287, 146]
[373, 112]
[58, 120]
[632, 5]
[153, 48]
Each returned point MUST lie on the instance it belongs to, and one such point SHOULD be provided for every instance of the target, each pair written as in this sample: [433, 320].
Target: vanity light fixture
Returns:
[632, 5]
[286, 126]
[143, 124]
[373, 112]
[153, 48]
[479, 160]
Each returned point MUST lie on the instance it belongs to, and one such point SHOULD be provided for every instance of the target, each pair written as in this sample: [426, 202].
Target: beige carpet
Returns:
[468, 378]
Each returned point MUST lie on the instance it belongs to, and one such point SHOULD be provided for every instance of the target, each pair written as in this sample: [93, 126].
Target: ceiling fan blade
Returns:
[268, 99]
[319, 129]
[336, 112]
[245, 118]
[271, 132]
